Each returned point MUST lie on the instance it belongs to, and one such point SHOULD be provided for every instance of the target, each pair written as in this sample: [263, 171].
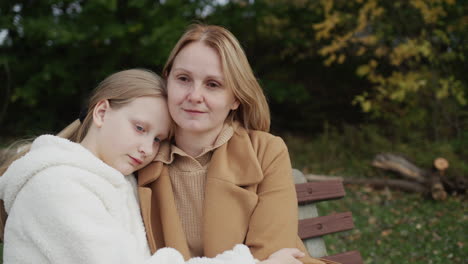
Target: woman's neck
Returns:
[194, 143]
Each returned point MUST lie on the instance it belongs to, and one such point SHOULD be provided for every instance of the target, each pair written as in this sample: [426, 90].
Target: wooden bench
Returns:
[312, 226]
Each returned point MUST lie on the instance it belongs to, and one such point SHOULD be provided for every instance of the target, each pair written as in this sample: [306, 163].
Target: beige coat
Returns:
[250, 198]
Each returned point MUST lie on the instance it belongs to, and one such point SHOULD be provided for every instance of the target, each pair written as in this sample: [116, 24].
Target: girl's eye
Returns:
[157, 140]
[140, 128]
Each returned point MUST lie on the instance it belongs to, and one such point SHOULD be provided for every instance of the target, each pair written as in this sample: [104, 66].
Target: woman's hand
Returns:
[284, 256]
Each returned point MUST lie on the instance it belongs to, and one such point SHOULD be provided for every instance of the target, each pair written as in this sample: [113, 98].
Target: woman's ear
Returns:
[99, 112]
[235, 105]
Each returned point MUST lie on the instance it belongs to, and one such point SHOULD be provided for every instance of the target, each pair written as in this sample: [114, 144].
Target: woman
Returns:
[72, 199]
[225, 180]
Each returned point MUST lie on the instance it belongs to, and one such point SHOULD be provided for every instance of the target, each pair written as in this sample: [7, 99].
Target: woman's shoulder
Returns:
[261, 139]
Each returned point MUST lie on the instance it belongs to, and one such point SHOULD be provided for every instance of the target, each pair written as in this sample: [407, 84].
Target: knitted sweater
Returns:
[67, 206]
[188, 177]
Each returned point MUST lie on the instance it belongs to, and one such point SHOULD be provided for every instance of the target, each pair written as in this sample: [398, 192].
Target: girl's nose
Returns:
[146, 147]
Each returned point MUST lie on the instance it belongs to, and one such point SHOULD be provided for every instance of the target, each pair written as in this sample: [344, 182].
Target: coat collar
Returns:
[230, 161]
[150, 173]
[236, 161]
[168, 150]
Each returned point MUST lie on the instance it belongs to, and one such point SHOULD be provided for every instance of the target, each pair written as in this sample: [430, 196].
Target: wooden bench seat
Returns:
[312, 226]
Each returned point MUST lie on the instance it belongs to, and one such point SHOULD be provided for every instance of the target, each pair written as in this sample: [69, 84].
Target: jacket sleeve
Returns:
[274, 222]
[57, 219]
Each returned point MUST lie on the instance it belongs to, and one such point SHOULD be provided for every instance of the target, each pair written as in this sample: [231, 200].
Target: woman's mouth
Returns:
[193, 111]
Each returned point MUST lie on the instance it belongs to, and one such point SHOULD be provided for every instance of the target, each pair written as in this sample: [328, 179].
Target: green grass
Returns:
[395, 227]
[391, 226]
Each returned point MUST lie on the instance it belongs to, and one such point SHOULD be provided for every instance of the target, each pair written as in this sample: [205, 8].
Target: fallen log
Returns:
[433, 183]
[437, 189]
[438, 192]
[402, 185]
[441, 165]
[392, 162]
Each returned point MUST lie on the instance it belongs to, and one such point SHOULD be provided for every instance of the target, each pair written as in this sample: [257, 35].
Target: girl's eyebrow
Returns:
[141, 122]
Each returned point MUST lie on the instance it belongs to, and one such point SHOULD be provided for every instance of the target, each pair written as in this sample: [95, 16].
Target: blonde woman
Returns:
[73, 199]
[224, 180]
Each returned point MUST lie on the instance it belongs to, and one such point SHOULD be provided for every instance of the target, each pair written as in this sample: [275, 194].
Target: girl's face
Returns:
[199, 99]
[128, 137]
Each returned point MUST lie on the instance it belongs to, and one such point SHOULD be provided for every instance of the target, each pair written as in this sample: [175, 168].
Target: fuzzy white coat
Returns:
[65, 205]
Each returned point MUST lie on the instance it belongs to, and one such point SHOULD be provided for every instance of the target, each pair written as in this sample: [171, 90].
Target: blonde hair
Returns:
[119, 88]
[253, 111]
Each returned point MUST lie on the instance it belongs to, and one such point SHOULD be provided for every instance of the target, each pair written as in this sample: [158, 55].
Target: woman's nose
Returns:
[196, 94]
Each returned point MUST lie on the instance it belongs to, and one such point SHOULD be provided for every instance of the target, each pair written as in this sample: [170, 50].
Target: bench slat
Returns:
[319, 191]
[350, 257]
[323, 225]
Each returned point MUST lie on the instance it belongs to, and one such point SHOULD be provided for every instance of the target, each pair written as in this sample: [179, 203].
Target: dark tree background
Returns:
[399, 65]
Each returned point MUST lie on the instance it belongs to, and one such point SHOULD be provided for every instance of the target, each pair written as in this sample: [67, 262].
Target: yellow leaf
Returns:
[361, 51]
[341, 58]
[330, 60]
[363, 70]
[366, 106]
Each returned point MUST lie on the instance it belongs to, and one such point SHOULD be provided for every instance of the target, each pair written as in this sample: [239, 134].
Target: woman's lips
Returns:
[192, 111]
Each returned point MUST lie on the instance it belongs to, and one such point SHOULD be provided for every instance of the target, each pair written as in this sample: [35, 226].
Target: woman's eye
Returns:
[157, 140]
[213, 84]
[183, 78]
[140, 128]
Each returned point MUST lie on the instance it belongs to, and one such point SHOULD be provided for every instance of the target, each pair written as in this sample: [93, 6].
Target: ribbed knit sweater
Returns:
[188, 178]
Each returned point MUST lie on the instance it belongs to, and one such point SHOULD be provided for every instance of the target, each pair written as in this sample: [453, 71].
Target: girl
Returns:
[225, 180]
[72, 199]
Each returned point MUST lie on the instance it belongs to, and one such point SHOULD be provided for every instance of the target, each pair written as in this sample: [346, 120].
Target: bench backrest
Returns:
[312, 226]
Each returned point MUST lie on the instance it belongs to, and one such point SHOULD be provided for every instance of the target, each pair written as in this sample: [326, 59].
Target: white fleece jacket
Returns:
[65, 205]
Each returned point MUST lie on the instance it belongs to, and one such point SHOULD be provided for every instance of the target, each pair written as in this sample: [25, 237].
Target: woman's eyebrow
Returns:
[180, 69]
[217, 77]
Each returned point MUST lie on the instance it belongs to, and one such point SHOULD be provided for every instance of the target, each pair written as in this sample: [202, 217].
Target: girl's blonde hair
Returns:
[253, 111]
[119, 89]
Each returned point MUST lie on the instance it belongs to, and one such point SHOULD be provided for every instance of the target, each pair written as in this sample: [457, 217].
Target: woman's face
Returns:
[198, 97]
[128, 137]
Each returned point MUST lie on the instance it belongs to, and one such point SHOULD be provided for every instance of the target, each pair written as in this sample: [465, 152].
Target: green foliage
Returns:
[55, 52]
[401, 60]
[412, 52]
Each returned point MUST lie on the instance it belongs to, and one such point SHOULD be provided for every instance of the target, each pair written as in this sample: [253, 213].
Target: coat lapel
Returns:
[159, 211]
[230, 194]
